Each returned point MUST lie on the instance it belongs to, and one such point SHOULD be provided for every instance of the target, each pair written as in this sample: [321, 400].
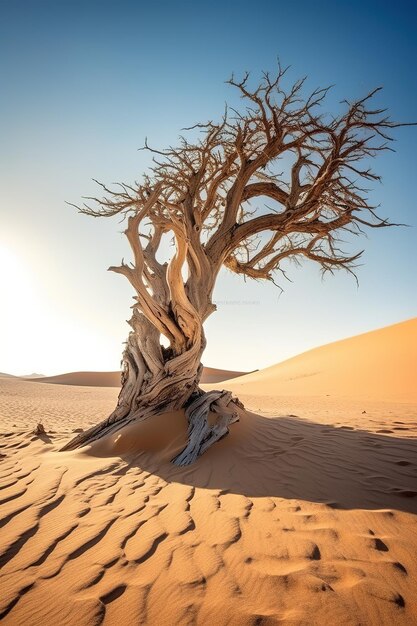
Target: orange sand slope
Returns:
[381, 364]
[112, 379]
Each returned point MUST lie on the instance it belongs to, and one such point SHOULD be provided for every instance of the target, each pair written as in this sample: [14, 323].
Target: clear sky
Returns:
[83, 83]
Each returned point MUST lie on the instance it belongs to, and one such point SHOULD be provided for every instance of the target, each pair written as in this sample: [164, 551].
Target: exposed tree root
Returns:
[202, 435]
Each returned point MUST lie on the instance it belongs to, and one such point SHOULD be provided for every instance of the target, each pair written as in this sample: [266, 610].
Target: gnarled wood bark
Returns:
[152, 382]
[202, 434]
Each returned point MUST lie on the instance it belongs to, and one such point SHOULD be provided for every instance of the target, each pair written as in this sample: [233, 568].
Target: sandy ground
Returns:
[305, 514]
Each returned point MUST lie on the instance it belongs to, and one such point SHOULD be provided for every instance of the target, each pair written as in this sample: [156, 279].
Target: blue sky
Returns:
[83, 83]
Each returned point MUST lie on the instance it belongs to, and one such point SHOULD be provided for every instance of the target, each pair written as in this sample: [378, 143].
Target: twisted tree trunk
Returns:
[155, 381]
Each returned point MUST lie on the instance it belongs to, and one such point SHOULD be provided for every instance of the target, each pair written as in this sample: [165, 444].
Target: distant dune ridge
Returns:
[112, 379]
[304, 514]
[381, 364]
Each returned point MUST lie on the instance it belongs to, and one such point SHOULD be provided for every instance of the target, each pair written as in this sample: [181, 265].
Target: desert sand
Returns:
[305, 514]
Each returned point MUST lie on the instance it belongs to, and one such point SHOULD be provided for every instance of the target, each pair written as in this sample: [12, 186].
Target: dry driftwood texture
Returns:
[212, 195]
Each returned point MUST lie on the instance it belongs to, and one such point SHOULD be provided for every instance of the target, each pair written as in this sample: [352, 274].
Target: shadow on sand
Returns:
[291, 458]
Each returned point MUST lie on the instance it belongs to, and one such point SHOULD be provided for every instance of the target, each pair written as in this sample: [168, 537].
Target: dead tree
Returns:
[212, 195]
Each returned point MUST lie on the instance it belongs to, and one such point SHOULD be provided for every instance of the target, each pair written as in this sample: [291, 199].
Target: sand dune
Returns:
[112, 379]
[304, 515]
[378, 365]
[83, 379]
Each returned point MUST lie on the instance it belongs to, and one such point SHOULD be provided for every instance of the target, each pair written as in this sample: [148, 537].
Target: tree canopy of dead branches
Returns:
[278, 179]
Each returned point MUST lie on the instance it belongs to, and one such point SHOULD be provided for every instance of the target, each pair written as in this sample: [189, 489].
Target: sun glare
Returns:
[33, 316]
[14, 277]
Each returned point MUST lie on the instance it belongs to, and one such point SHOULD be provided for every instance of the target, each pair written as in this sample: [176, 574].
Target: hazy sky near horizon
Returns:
[83, 83]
